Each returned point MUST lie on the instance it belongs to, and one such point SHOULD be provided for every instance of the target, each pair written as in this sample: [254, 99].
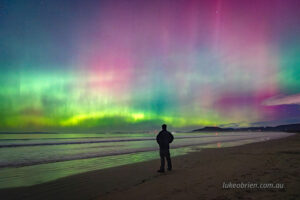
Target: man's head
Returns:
[164, 127]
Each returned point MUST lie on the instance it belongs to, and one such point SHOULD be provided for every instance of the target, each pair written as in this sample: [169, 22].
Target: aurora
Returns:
[133, 65]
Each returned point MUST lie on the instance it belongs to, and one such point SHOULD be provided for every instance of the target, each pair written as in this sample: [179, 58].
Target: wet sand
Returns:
[198, 175]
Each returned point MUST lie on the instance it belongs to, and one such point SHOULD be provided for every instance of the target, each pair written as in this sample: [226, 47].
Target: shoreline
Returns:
[195, 175]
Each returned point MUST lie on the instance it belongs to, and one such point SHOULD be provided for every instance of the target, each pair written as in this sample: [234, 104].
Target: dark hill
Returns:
[285, 128]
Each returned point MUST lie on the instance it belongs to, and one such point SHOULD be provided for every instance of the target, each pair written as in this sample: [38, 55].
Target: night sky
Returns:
[134, 64]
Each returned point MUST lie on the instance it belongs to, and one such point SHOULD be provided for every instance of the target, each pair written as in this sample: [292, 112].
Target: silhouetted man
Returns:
[163, 138]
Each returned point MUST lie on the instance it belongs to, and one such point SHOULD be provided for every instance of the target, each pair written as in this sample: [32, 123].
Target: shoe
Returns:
[161, 171]
[169, 169]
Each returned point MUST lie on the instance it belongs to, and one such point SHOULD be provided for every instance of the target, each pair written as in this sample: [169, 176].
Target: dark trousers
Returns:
[165, 153]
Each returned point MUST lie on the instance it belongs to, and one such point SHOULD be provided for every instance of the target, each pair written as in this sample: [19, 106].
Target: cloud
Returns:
[283, 100]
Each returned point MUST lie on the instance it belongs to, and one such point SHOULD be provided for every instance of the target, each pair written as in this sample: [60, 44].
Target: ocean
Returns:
[29, 159]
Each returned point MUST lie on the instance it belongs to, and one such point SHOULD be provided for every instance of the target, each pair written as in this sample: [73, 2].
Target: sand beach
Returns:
[207, 174]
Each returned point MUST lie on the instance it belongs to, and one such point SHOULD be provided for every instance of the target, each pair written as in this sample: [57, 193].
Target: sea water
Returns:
[29, 159]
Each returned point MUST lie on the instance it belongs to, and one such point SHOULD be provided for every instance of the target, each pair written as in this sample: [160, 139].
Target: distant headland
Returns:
[284, 128]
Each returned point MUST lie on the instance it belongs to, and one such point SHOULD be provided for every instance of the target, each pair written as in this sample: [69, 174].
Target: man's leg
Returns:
[169, 160]
[162, 160]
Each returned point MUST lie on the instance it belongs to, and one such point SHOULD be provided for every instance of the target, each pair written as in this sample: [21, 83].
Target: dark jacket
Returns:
[164, 138]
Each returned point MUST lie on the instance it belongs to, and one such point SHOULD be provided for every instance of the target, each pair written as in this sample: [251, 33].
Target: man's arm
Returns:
[171, 137]
[158, 139]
